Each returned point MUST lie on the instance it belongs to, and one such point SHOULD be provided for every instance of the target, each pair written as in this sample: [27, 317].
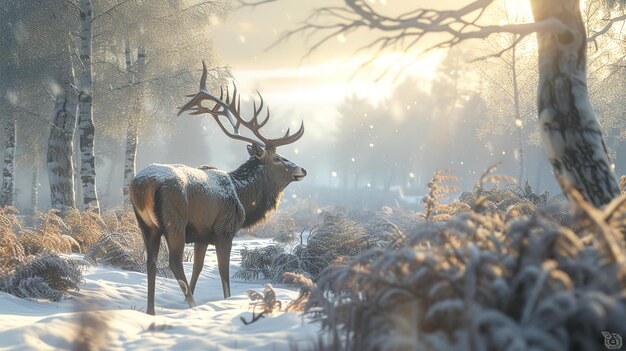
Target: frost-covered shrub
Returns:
[484, 281]
[333, 239]
[257, 263]
[281, 229]
[126, 251]
[47, 277]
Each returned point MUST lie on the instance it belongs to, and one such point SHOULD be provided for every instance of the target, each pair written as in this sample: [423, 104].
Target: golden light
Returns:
[519, 11]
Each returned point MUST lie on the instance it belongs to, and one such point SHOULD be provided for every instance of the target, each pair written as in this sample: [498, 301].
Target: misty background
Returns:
[374, 134]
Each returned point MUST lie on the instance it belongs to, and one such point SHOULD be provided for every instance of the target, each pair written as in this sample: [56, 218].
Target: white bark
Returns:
[60, 149]
[34, 193]
[133, 124]
[86, 125]
[8, 169]
[571, 133]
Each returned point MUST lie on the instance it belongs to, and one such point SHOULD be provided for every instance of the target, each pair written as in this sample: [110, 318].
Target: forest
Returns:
[329, 175]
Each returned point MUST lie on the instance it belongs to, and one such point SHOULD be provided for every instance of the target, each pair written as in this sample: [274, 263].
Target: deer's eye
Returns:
[277, 159]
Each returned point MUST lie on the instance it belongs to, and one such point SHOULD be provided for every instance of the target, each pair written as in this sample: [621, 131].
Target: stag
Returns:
[207, 206]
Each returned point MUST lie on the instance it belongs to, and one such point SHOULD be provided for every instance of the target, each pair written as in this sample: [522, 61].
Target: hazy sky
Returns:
[308, 88]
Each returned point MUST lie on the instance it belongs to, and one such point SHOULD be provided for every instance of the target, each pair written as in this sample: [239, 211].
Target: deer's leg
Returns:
[222, 249]
[175, 238]
[199, 250]
[152, 241]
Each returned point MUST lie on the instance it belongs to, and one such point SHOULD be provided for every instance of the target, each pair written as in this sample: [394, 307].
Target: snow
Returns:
[120, 298]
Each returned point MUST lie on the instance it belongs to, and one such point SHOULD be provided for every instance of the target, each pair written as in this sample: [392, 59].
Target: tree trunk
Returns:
[571, 133]
[8, 169]
[86, 125]
[133, 125]
[78, 187]
[34, 193]
[61, 149]
[518, 116]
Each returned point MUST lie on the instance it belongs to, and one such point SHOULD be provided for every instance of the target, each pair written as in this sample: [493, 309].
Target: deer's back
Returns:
[205, 199]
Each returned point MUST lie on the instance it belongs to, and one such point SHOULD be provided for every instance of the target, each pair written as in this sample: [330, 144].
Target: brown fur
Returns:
[205, 206]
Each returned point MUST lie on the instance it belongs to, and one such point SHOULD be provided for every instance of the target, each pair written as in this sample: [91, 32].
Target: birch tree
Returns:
[8, 167]
[175, 35]
[61, 148]
[572, 136]
[39, 49]
[85, 107]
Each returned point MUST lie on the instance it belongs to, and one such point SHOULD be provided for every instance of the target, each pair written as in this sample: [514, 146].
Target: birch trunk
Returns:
[34, 193]
[8, 169]
[571, 133]
[133, 125]
[78, 187]
[86, 125]
[61, 149]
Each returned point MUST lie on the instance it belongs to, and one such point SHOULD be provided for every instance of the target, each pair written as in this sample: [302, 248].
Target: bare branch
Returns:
[607, 27]
[111, 10]
[72, 3]
[254, 3]
[460, 25]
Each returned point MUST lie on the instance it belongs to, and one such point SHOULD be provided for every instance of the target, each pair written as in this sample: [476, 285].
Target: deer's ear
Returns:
[256, 151]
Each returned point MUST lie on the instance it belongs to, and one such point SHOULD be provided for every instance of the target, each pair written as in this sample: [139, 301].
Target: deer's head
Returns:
[263, 149]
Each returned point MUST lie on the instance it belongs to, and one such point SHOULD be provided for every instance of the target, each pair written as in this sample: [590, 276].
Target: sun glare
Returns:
[518, 11]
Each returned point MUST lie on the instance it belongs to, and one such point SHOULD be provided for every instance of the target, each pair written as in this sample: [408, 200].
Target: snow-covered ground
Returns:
[121, 297]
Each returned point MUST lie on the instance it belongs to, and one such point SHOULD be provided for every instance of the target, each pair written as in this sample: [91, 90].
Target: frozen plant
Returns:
[47, 277]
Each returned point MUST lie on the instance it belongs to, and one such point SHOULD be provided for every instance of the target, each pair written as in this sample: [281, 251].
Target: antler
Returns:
[231, 108]
[195, 104]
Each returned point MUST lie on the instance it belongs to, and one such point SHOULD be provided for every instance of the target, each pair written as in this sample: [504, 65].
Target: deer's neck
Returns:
[258, 192]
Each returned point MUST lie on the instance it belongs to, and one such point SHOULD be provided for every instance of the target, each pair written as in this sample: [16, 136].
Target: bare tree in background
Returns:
[571, 133]
[135, 72]
[508, 72]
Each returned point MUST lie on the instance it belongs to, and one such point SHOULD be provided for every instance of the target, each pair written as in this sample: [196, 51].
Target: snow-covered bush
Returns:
[257, 263]
[126, 251]
[332, 240]
[46, 277]
[484, 281]
[281, 229]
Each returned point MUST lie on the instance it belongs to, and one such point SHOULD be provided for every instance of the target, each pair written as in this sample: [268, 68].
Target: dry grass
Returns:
[86, 227]
[112, 239]
[11, 251]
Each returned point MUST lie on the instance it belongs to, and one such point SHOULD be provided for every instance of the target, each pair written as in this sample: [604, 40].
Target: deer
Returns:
[208, 206]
